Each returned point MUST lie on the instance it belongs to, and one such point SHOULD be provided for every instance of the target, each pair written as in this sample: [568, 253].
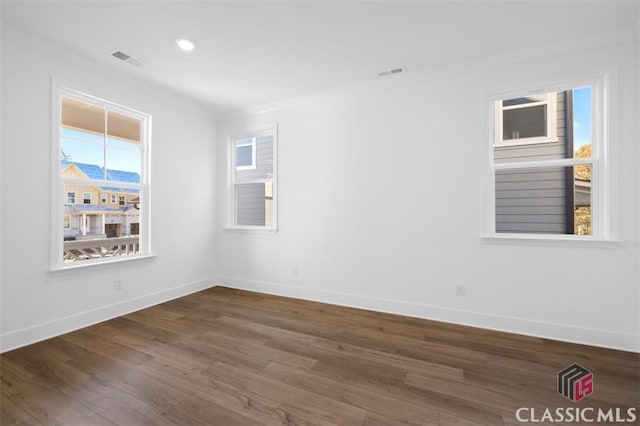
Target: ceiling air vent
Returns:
[390, 72]
[119, 54]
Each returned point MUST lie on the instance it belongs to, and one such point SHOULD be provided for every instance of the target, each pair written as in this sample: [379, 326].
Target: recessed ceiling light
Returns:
[185, 44]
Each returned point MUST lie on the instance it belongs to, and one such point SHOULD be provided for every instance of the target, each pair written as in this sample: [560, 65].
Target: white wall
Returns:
[37, 304]
[381, 199]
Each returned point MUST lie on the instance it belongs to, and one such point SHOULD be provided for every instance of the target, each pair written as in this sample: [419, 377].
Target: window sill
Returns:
[250, 230]
[90, 264]
[550, 240]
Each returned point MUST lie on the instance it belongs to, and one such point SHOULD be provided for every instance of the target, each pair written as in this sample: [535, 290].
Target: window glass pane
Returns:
[82, 116]
[81, 148]
[123, 161]
[526, 122]
[264, 161]
[120, 126]
[254, 204]
[582, 122]
[547, 200]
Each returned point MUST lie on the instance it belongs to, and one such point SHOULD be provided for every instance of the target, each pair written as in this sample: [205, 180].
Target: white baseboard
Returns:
[39, 332]
[563, 332]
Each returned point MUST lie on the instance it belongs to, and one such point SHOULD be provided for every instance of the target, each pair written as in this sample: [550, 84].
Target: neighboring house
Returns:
[93, 212]
[537, 200]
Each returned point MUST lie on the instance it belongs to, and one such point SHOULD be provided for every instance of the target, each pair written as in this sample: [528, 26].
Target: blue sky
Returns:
[581, 116]
[83, 147]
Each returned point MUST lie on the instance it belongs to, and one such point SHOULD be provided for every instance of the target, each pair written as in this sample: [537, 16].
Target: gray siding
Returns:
[251, 198]
[534, 200]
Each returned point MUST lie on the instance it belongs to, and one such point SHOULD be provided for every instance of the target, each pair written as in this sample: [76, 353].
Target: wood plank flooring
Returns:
[230, 357]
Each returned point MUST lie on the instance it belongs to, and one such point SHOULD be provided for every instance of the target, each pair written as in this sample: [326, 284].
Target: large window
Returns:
[548, 162]
[253, 180]
[100, 147]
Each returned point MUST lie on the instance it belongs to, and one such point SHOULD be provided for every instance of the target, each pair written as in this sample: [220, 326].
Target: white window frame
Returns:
[114, 199]
[232, 168]
[75, 198]
[551, 103]
[57, 181]
[122, 200]
[86, 198]
[103, 198]
[600, 190]
[252, 144]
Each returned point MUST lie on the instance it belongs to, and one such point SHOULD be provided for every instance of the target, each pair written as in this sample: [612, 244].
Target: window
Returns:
[555, 187]
[245, 153]
[526, 120]
[101, 147]
[253, 180]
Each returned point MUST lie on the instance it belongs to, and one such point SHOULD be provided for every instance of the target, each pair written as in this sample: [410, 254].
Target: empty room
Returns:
[319, 212]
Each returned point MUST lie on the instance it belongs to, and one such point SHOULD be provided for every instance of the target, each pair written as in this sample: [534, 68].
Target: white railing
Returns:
[101, 247]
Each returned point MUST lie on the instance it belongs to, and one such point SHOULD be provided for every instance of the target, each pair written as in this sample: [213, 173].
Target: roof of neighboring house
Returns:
[97, 173]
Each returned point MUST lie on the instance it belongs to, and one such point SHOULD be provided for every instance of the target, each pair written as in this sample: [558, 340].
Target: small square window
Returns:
[526, 120]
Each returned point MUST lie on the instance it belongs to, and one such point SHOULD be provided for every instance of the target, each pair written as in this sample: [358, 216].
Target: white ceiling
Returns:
[252, 53]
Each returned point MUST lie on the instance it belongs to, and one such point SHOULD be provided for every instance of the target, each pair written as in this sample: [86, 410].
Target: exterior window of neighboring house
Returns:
[253, 186]
[245, 149]
[100, 147]
[527, 119]
[550, 187]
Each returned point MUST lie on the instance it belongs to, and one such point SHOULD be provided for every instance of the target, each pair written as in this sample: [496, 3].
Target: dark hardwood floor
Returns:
[230, 357]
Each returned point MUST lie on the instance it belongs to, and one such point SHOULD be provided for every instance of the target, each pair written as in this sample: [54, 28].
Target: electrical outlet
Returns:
[460, 290]
[118, 285]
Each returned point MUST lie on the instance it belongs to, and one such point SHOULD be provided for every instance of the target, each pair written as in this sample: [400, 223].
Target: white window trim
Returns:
[231, 188]
[85, 198]
[57, 184]
[603, 108]
[252, 144]
[114, 199]
[552, 111]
